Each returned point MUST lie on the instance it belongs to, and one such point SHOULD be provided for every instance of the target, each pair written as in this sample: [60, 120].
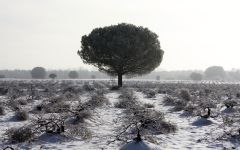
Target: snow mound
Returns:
[202, 122]
[135, 145]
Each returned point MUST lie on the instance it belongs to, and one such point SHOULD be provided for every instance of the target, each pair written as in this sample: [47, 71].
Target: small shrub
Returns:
[79, 130]
[179, 105]
[185, 95]
[97, 100]
[122, 103]
[3, 91]
[151, 121]
[22, 102]
[127, 94]
[168, 100]
[56, 107]
[190, 108]
[14, 105]
[230, 103]
[2, 112]
[148, 105]
[88, 87]
[38, 107]
[238, 95]
[81, 116]
[21, 116]
[126, 103]
[150, 94]
[162, 91]
[207, 103]
[18, 135]
[207, 92]
[166, 127]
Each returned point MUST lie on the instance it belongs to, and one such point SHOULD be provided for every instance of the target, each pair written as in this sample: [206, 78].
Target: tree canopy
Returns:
[38, 73]
[122, 49]
[215, 73]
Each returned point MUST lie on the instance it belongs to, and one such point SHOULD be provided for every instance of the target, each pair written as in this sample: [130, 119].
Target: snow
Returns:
[106, 121]
[134, 145]
[190, 129]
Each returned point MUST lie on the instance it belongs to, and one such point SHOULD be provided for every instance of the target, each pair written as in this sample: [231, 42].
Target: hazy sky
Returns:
[194, 34]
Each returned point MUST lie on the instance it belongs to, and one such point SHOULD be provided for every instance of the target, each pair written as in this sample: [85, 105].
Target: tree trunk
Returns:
[119, 80]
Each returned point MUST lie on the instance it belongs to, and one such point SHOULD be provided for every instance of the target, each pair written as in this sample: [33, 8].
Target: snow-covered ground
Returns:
[105, 122]
[190, 129]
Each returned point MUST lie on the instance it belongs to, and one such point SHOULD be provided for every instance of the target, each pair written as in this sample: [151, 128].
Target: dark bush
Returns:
[88, 87]
[169, 100]
[21, 116]
[22, 102]
[97, 100]
[3, 91]
[166, 127]
[18, 135]
[2, 112]
[14, 105]
[56, 107]
[79, 130]
[238, 95]
[151, 121]
[179, 105]
[124, 103]
[127, 94]
[150, 94]
[230, 103]
[80, 116]
[185, 95]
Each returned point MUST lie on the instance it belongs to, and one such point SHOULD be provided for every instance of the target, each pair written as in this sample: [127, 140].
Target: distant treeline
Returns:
[233, 75]
[61, 74]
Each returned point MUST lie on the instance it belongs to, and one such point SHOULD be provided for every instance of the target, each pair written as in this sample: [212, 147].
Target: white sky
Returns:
[194, 34]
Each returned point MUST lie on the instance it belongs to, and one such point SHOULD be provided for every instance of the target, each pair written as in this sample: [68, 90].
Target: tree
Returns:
[93, 76]
[122, 49]
[215, 73]
[234, 75]
[52, 76]
[73, 74]
[196, 76]
[38, 73]
[157, 77]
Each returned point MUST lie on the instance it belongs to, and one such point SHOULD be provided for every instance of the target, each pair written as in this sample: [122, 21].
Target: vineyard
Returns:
[92, 114]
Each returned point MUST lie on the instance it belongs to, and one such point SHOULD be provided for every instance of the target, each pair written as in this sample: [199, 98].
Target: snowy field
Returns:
[90, 115]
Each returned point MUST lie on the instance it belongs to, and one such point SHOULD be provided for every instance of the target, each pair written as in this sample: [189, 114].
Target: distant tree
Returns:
[122, 49]
[196, 76]
[2, 76]
[52, 76]
[38, 73]
[215, 73]
[234, 75]
[93, 76]
[73, 74]
[158, 77]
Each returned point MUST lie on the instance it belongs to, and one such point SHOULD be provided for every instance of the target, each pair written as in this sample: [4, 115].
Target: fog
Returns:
[194, 34]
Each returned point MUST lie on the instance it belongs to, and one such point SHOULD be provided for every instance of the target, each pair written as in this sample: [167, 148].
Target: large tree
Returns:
[122, 49]
[38, 73]
[215, 73]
